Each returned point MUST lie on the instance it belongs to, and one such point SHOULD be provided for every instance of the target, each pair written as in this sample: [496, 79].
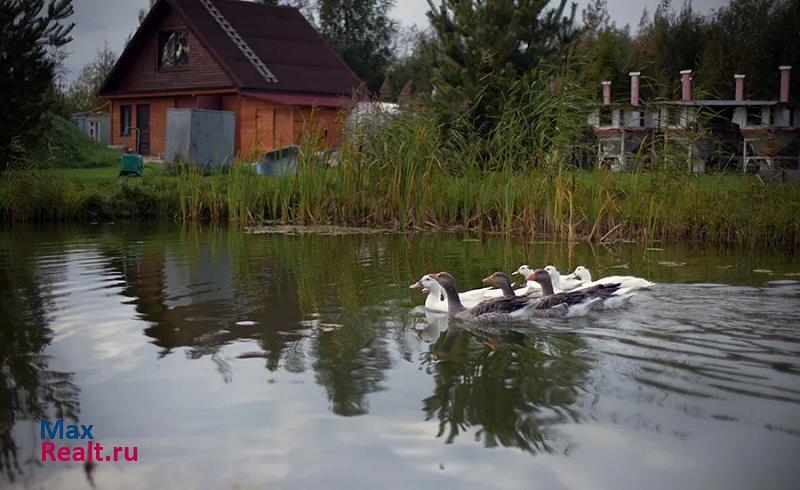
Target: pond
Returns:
[294, 360]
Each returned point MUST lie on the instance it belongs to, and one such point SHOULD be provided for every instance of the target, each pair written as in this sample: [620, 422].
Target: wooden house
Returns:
[266, 64]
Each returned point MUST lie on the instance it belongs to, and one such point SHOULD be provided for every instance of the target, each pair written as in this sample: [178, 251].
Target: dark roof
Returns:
[293, 51]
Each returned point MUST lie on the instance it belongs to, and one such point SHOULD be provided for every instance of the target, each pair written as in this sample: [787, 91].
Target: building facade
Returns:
[266, 64]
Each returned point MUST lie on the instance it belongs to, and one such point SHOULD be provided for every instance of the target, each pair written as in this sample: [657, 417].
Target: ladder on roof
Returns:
[239, 42]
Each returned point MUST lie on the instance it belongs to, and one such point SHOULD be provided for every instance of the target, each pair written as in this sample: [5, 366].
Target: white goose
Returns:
[556, 279]
[437, 299]
[531, 287]
[627, 283]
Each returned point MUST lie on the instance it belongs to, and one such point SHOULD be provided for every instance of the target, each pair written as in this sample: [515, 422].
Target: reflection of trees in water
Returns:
[350, 363]
[511, 386]
[28, 389]
[345, 286]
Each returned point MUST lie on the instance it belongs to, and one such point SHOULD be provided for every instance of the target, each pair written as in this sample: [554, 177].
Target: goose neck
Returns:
[453, 301]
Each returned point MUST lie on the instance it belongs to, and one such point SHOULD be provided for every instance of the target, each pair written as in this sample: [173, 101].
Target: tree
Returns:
[486, 46]
[752, 37]
[670, 43]
[362, 33]
[29, 35]
[412, 69]
[603, 50]
[81, 95]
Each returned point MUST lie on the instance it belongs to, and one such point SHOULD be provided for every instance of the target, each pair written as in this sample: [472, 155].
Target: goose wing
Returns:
[499, 305]
[579, 296]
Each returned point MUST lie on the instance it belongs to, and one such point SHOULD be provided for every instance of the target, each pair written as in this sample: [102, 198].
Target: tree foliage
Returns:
[411, 73]
[485, 46]
[752, 37]
[30, 31]
[362, 32]
[81, 94]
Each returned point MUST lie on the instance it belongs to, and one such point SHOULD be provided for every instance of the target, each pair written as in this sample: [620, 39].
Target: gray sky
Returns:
[111, 21]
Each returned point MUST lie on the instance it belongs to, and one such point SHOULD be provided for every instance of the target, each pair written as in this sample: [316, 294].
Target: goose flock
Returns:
[545, 294]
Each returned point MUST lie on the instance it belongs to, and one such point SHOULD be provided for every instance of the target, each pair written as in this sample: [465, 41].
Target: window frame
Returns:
[162, 38]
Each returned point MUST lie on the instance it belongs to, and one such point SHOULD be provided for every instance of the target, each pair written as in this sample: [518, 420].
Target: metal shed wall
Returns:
[201, 137]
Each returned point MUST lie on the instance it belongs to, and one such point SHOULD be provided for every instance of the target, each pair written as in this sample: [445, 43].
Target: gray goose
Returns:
[571, 301]
[508, 308]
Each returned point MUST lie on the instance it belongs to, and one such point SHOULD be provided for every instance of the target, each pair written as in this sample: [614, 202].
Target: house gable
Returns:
[233, 44]
[138, 70]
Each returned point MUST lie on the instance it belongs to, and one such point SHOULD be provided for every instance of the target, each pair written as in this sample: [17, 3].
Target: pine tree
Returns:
[29, 33]
[485, 46]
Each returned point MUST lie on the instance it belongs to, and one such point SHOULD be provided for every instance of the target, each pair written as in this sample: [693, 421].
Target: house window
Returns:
[125, 120]
[173, 49]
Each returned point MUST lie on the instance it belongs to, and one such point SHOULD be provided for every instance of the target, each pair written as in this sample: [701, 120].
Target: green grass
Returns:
[63, 145]
[570, 204]
[104, 175]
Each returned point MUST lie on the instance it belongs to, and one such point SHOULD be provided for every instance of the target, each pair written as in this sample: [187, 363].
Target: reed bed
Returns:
[566, 204]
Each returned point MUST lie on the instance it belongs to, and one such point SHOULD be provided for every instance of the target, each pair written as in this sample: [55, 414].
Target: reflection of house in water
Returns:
[193, 297]
[751, 135]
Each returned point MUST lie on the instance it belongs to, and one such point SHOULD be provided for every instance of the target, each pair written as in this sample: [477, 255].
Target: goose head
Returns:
[445, 280]
[524, 270]
[427, 284]
[542, 277]
[582, 273]
[500, 280]
[555, 276]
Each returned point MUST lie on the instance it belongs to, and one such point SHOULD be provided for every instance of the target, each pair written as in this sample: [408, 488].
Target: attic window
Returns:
[173, 49]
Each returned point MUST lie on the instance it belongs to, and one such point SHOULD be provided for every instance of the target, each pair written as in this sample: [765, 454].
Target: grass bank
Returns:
[570, 204]
[63, 145]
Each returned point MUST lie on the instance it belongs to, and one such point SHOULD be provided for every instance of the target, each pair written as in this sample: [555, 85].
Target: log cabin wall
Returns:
[158, 118]
[324, 121]
[158, 122]
[264, 126]
[260, 125]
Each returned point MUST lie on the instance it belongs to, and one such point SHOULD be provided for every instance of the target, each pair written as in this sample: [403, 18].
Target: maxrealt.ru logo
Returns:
[91, 451]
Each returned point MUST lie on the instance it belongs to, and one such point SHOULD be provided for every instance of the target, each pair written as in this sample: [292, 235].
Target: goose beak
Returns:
[531, 277]
[416, 285]
[518, 272]
[487, 280]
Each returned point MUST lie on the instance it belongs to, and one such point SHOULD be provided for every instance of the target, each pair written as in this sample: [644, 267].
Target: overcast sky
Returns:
[111, 21]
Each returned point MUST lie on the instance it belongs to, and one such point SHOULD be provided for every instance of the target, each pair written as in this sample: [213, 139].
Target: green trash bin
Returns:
[131, 165]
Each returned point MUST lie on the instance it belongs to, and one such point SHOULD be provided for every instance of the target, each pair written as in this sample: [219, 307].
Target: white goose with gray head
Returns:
[436, 300]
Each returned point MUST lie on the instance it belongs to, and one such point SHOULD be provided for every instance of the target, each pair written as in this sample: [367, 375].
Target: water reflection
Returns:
[29, 388]
[263, 338]
[511, 387]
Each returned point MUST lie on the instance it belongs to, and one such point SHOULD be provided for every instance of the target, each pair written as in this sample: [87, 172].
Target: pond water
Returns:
[235, 360]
